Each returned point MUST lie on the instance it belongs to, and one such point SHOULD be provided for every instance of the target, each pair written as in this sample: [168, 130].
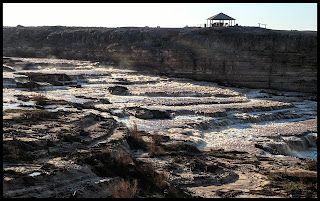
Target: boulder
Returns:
[118, 90]
[158, 114]
[143, 113]
[104, 101]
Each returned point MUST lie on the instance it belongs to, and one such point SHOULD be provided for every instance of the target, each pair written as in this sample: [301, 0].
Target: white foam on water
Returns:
[34, 174]
[231, 136]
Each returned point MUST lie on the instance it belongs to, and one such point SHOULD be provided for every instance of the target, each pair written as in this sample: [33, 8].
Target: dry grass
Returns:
[126, 189]
[40, 99]
[156, 138]
[295, 184]
[134, 131]
[122, 165]
[311, 165]
[134, 138]
[34, 116]
[124, 157]
[301, 176]
[160, 180]
[136, 141]
[152, 178]
[154, 147]
[17, 151]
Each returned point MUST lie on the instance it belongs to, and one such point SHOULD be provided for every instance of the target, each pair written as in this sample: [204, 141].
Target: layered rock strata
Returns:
[239, 56]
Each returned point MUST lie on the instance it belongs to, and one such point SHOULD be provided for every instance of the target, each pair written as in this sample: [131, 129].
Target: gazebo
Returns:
[221, 17]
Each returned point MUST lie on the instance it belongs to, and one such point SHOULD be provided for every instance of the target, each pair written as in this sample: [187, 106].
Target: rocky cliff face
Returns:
[238, 56]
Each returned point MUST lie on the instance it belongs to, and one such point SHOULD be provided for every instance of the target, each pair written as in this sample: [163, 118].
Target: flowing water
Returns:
[203, 113]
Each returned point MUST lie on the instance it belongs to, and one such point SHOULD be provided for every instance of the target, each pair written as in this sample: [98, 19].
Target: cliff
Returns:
[236, 56]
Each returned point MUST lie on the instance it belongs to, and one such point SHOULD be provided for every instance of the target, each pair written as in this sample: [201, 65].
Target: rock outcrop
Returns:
[167, 138]
[118, 90]
[143, 113]
[238, 56]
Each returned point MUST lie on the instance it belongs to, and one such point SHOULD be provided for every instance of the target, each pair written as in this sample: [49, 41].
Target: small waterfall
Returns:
[302, 143]
[302, 147]
[311, 139]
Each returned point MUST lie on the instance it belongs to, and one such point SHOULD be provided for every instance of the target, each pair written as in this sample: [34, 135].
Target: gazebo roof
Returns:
[220, 16]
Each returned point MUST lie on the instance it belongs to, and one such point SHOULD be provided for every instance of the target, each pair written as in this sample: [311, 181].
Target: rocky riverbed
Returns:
[82, 129]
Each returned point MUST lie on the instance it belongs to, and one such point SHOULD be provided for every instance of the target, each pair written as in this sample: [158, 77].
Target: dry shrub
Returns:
[157, 139]
[34, 116]
[160, 180]
[124, 157]
[40, 99]
[301, 176]
[155, 149]
[134, 138]
[150, 178]
[134, 132]
[16, 151]
[125, 189]
[296, 184]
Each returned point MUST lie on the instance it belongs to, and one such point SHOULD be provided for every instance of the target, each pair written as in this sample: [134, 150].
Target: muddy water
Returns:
[203, 113]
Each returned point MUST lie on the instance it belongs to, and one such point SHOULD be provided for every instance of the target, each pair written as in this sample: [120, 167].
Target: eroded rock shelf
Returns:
[84, 129]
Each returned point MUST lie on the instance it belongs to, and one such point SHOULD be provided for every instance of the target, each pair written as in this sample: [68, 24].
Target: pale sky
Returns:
[280, 16]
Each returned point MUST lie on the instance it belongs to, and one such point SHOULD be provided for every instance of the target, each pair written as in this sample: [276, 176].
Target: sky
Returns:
[279, 16]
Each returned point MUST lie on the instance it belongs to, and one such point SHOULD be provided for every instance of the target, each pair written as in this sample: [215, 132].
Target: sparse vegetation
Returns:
[157, 139]
[17, 150]
[98, 156]
[34, 115]
[43, 100]
[31, 117]
[126, 189]
[128, 168]
[134, 138]
[311, 165]
[13, 153]
[40, 99]
[155, 149]
[135, 141]
[154, 146]
[160, 180]
[294, 184]
[124, 157]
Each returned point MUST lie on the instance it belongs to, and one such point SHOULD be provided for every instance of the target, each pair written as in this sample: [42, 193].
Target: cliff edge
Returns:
[236, 56]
